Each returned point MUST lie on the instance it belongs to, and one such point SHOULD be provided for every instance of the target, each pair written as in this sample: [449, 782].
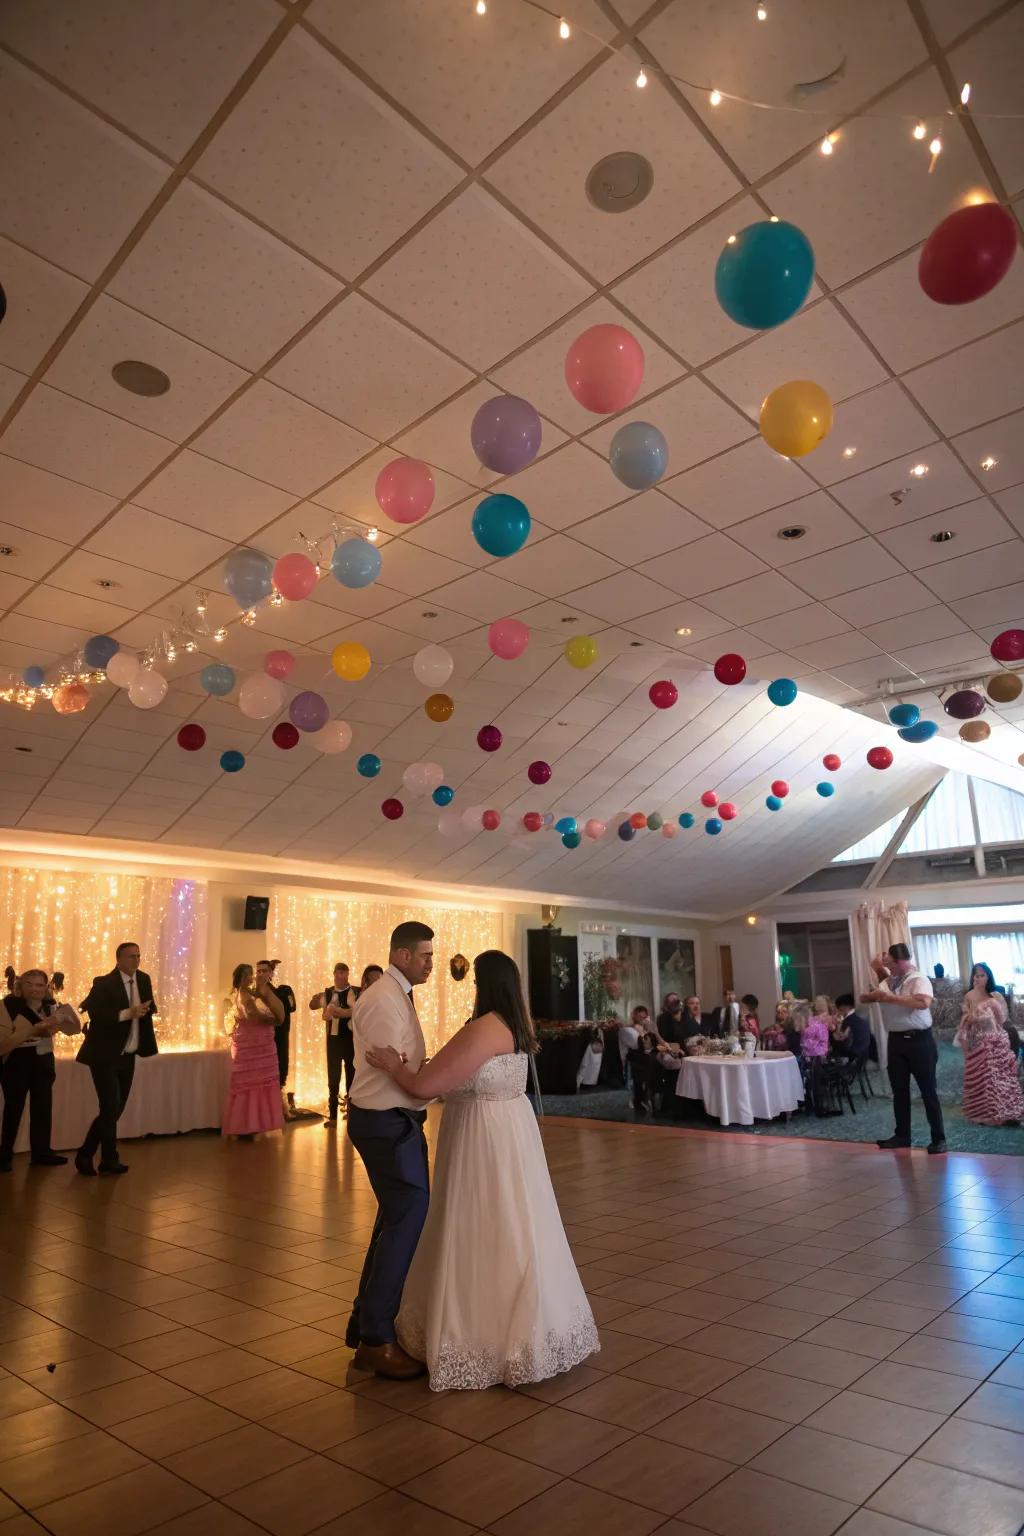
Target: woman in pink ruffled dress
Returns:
[992, 1089]
[254, 1091]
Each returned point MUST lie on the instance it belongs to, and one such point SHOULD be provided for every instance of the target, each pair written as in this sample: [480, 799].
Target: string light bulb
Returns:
[201, 603]
[827, 143]
[935, 150]
[481, 7]
[919, 471]
[988, 462]
[219, 635]
[564, 30]
[919, 130]
[965, 93]
[249, 617]
[715, 98]
[373, 534]
[641, 80]
[762, 13]
[276, 600]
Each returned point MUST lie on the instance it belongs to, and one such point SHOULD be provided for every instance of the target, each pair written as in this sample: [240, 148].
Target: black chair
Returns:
[838, 1078]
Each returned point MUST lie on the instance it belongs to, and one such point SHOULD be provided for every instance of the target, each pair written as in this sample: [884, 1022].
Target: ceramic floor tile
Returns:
[950, 1355]
[481, 1485]
[934, 1390]
[38, 1428]
[572, 1510]
[737, 1434]
[891, 1426]
[233, 1460]
[124, 1506]
[39, 1477]
[395, 1515]
[751, 1504]
[561, 1441]
[996, 1404]
[652, 1474]
[953, 1503]
[978, 1448]
[394, 1452]
[635, 1405]
[786, 1397]
[303, 1496]
[846, 1469]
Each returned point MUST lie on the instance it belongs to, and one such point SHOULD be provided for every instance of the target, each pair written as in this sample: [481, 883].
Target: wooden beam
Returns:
[878, 870]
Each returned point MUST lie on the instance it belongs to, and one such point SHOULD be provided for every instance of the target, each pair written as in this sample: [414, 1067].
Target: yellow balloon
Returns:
[351, 661]
[439, 707]
[795, 418]
[581, 651]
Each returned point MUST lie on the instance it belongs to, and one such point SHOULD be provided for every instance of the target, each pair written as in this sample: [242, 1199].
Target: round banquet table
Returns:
[174, 1091]
[737, 1091]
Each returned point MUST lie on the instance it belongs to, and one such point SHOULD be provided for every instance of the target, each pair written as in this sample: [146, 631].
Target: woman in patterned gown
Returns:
[493, 1295]
[254, 1105]
[992, 1090]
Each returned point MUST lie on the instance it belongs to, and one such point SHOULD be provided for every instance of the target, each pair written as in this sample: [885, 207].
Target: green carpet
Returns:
[872, 1121]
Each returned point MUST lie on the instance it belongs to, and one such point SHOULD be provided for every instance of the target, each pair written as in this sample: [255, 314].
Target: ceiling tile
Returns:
[445, 626]
[449, 533]
[627, 595]
[801, 626]
[704, 566]
[973, 573]
[838, 651]
[841, 570]
[600, 116]
[132, 588]
[55, 432]
[212, 274]
[641, 528]
[990, 58]
[920, 627]
[959, 650]
[843, 365]
[159, 72]
[367, 369]
[1011, 502]
[321, 159]
[414, 571]
[11, 385]
[1001, 607]
[143, 539]
[441, 281]
[568, 487]
[71, 186]
[950, 18]
[272, 435]
[738, 641]
[556, 565]
[975, 525]
[759, 597]
[827, 526]
[482, 596]
[975, 384]
[661, 626]
[889, 495]
[40, 301]
[207, 495]
[696, 422]
[12, 589]
[738, 484]
[1001, 440]
[93, 613]
[878, 425]
[33, 554]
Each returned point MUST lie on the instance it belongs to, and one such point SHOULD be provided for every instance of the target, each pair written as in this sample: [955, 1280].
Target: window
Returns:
[941, 948]
[946, 823]
[1004, 953]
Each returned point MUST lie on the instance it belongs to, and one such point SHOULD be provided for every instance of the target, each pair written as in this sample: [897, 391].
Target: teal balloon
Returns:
[248, 577]
[825, 789]
[571, 839]
[369, 765]
[565, 824]
[687, 820]
[638, 455]
[356, 563]
[773, 803]
[924, 730]
[232, 762]
[765, 274]
[905, 714]
[783, 691]
[217, 678]
[712, 826]
[98, 650]
[443, 795]
[501, 525]
[654, 822]
[33, 677]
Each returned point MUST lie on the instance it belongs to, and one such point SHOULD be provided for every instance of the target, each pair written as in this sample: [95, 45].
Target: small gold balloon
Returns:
[1004, 687]
[975, 730]
[439, 707]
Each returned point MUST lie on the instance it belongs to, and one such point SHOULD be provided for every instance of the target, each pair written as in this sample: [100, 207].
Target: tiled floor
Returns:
[797, 1339]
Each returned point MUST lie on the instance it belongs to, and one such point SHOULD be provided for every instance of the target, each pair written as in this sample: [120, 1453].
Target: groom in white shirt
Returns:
[386, 1128]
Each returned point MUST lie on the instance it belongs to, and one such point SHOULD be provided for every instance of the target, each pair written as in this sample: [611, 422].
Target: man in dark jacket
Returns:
[120, 1008]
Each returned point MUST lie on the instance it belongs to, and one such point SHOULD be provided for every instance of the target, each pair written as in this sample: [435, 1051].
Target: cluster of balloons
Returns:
[779, 791]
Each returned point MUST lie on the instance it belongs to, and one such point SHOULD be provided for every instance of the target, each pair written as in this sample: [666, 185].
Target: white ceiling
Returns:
[339, 225]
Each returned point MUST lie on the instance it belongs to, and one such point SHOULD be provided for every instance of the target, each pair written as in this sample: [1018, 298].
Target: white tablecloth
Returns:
[738, 1091]
[174, 1091]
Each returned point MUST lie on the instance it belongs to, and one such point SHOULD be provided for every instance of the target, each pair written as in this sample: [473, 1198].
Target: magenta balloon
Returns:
[1009, 646]
[539, 772]
[279, 664]
[309, 711]
[488, 738]
[405, 490]
[295, 577]
[508, 638]
[505, 434]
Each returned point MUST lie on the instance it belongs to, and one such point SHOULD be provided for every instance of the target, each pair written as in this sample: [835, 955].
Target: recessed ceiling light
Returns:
[682, 630]
[988, 462]
[731, 240]
[568, 618]
[140, 378]
[943, 536]
[620, 182]
[848, 453]
[635, 644]
[919, 471]
[6, 550]
[428, 613]
[793, 532]
[106, 583]
[715, 98]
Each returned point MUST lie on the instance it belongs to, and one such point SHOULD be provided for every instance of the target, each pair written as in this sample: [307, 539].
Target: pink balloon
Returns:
[295, 577]
[595, 828]
[279, 664]
[604, 369]
[709, 799]
[405, 490]
[508, 638]
[490, 821]
[669, 829]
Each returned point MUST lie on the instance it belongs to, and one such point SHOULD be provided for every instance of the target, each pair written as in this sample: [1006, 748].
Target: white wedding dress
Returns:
[493, 1295]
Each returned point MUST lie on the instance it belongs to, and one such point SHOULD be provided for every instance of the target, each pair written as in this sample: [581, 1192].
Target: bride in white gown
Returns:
[493, 1295]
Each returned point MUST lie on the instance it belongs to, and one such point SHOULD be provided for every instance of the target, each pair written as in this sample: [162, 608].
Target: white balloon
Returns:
[433, 666]
[449, 823]
[422, 778]
[122, 668]
[260, 696]
[335, 736]
[147, 689]
[471, 817]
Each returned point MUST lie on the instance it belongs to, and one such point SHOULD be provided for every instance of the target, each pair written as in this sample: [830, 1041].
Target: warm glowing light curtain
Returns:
[309, 933]
[74, 922]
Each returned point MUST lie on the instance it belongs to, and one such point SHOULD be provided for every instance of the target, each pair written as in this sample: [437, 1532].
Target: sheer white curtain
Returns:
[1004, 953]
[873, 927]
[1000, 813]
[932, 948]
[945, 822]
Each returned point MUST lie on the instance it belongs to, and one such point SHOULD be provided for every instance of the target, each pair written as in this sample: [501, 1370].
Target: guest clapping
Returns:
[29, 1070]
[254, 1105]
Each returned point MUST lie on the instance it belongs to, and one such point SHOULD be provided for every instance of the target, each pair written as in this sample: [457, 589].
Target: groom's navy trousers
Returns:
[394, 1152]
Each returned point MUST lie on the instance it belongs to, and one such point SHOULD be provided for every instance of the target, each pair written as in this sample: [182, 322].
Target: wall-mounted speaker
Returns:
[256, 909]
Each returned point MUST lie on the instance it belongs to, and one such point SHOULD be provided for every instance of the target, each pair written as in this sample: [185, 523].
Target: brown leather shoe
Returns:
[388, 1360]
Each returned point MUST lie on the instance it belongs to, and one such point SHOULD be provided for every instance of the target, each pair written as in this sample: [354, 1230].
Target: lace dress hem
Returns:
[458, 1368]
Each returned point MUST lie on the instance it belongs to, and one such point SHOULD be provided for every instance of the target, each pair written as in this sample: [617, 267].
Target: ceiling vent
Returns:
[620, 182]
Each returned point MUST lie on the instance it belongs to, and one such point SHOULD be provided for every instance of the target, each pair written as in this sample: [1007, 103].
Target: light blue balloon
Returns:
[712, 826]
[356, 563]
[565, 824]
[98, 650]
[33, 677]
[248, 577]
[687, 820]
[501, 525]
[638, 455]
[904, 714]
[773, 803]
[232, 762]
[783, 691]
[443, 795]
[924, 730]
[825, 789]
[764, 275]
[571, 839]
[369, 765]
[217, 678]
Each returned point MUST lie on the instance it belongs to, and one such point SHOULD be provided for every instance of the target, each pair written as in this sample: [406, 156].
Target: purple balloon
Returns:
[488, 738]
[964, 704]
[539, 772]
[506, 434]
[309, 711]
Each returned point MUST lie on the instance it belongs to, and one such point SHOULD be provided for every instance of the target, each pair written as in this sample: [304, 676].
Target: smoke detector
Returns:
[620, 182]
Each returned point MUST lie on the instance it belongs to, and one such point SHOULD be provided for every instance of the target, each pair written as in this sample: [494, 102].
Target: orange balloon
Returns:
[71, 698]
[439, 707]
[975, 730]
[1004, 687]
[638, 820]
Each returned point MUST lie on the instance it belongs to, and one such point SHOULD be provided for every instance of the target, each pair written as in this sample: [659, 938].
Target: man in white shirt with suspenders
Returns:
[905, 996]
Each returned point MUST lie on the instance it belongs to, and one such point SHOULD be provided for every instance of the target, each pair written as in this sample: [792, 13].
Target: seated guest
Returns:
[773, 1036]
[726, 1018]
[29, 1072]
[815, 1037]
[939, 972]
[644, 1072]
[669, 1021]
[749, 1021]
[853, 1037]
[629, 1035]
[691, 1023]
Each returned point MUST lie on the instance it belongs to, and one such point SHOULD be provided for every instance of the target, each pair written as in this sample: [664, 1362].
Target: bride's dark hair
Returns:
[499, 989]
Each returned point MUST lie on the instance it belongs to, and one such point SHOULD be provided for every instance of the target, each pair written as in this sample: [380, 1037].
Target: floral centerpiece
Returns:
[706, 1045]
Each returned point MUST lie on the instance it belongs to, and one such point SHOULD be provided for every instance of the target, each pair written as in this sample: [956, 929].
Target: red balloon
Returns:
[1009, 646]
[533, 821]
[488, 738]
[728, 811]
[638, 820]
[393, 809]
[539, 772]
[709, 798]
[880, 757]
[832, 762]
[968, 254]
[284, 735]
[191, 738]
[730, 669]
[490, 821]
[663, 694]
[780, 789]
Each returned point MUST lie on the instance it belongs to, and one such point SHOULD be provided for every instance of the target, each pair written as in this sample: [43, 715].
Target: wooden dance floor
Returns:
[797, 1339]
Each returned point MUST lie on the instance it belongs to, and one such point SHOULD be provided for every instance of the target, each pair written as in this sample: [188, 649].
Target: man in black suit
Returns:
[725, 1020]
[120, 1008]
[336, 1002]
[266, 970]
[853, 1037]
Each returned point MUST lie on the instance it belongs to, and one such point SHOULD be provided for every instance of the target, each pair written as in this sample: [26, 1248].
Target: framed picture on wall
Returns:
[636, 976]
[677, 968]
